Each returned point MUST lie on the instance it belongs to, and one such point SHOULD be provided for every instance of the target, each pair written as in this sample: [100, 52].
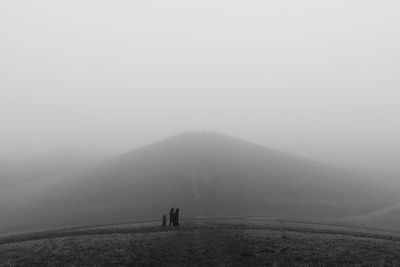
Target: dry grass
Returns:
[202, 243]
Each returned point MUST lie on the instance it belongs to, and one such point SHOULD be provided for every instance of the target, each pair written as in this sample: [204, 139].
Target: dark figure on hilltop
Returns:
[164, 220]
[171, 216]
[176, 217]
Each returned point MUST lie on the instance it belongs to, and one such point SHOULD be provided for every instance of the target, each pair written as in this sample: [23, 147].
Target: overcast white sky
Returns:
[316, 78]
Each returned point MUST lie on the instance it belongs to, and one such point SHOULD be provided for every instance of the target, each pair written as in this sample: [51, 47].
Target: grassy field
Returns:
[205, 243]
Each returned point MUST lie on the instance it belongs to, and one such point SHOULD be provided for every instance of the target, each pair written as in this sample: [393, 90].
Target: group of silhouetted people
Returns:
[173, 218]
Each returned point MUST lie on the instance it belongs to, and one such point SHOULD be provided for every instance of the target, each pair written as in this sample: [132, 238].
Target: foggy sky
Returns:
[315, 78]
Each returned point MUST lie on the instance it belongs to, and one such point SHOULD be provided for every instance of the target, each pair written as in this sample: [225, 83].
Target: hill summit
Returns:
[205, 174]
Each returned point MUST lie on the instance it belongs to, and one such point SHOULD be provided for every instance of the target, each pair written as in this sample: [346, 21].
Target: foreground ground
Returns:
[205, 243]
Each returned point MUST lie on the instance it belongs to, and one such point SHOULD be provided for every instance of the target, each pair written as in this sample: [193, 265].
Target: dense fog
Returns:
[316, 79]
[265, 132]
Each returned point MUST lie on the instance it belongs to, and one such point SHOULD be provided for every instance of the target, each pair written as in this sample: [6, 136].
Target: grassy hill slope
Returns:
[205, 243]
[205, 174]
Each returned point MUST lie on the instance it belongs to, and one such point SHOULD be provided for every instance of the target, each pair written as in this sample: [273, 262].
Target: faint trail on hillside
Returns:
[377, 213]
[194, 186]
[200, 167]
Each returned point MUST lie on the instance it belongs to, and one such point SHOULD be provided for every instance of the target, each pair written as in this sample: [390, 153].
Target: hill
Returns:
[205, 174]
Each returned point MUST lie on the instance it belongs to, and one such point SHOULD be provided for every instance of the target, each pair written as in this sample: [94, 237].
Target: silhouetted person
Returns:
[176, 217]
[171, 216]
[164, 220]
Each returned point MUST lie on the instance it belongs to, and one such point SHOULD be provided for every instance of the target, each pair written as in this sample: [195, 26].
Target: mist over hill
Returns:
[15, 172]
[205, 174]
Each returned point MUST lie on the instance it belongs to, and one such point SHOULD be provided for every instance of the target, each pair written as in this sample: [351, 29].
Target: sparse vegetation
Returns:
[204, 243]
